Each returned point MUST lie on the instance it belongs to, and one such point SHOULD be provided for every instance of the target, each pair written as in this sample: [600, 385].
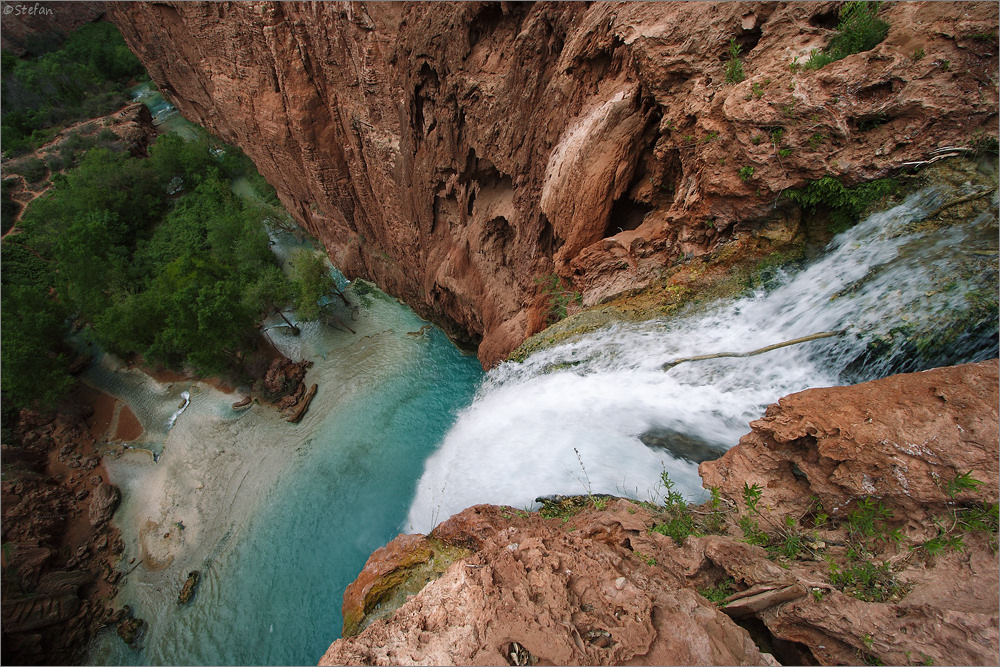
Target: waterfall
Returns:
[599, 414]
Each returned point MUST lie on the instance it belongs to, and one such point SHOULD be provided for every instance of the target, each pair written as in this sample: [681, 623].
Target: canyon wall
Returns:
[464, 155]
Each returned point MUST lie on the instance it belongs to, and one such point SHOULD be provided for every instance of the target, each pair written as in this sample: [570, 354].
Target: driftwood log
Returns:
[795, 341]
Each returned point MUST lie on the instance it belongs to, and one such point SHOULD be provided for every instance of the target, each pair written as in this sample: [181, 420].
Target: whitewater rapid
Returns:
[568, 420]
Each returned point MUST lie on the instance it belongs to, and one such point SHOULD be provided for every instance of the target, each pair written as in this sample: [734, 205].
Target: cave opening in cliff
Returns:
[494, 17]
[626, 215]
[827, 20]
[548, 242]
[746, 40]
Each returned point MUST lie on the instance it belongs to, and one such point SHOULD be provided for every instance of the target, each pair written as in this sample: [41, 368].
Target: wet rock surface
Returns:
[600, 583]
[189, 588]
[593, 143]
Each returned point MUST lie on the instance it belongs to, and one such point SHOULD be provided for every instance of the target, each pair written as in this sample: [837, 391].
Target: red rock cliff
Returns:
[456, 153]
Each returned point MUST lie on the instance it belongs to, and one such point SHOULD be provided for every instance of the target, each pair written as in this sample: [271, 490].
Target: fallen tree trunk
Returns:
[795, 341]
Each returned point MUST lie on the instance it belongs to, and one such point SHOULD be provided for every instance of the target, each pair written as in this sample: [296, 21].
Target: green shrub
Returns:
[84, 78]
[745, 173]
[559, 298]
[863, 579]
[11, 208]
[720, 591]
[32, 168]
[734, 67]
[984, 144]
[859, 30]
[845, 205]
[107, 136]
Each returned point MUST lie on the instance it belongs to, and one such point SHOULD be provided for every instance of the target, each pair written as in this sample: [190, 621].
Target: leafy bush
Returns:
[10, 208]
[720, 591]
[180, 280]
[745, 173]
[679, 522]
[845, 205]
[859, 30]
[32, 168]
[559, 298]
[734, 67]
[861, 577]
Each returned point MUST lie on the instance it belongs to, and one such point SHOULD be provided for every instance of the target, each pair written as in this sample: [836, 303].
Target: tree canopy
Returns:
[157, 255]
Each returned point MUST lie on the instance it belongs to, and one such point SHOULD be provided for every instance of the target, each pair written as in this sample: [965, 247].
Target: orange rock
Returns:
[900, 439]
[364, 592]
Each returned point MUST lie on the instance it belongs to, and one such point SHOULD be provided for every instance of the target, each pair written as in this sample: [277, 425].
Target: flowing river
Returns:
[405, 430]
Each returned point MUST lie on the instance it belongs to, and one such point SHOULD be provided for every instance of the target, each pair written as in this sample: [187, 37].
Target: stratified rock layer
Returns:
[601, 587]
[463, 155]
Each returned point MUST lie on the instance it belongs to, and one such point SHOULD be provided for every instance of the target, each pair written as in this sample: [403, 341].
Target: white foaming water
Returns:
[596, 395]
[186, 396]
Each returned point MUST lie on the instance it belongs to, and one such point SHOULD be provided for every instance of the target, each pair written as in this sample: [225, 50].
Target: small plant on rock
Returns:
[734, 67]
[962, 482]
[859, 30]
[752, 531]
[720, 591]
[559, 298]
[745, 173]
[679, 523]
[789, 541]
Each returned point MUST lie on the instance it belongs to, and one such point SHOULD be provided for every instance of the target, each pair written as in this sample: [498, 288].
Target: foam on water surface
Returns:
[569, 419]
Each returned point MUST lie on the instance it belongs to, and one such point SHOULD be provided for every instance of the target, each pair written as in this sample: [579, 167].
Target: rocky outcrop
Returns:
[59, 567]
[901, 439]
[552, 596]
[103, 503]
[189, 588]
[284, 386]
[476, 158]
[868, 548]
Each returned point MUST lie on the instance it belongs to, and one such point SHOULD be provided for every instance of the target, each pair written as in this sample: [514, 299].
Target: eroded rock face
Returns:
[601, 587]
[460, 154]
[564, 597]
[901, 439]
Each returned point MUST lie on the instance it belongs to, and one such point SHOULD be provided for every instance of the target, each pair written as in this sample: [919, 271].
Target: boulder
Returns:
[903, 439]
[103, 503]
[190, 585]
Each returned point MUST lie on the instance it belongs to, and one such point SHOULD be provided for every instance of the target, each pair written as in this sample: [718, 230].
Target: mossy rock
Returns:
[130, 630]
[422, 564]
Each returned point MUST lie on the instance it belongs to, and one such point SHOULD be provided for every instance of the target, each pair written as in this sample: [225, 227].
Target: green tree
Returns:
[312, 281]
[33, 366]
